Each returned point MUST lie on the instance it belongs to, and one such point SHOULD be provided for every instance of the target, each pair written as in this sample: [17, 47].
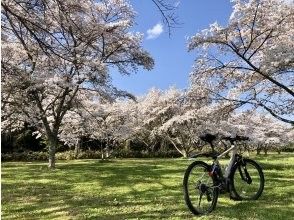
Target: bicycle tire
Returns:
[211, 190]
[255, 180]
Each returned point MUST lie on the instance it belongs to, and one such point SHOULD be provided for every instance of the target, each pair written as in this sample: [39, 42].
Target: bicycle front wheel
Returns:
[247, 180]
[200, 194]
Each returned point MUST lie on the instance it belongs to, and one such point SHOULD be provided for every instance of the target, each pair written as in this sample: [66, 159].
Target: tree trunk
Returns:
[279, 149]
[184, 153]
[101, 150]
[258, 149]
[107, 152]
[77, 148]
[128, 145]
[53, 141]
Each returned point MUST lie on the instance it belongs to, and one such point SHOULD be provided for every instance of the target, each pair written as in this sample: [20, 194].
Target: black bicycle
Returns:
[243, 178]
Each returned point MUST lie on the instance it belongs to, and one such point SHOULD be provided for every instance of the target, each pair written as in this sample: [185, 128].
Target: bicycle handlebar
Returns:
[211, 137]
[237, 138]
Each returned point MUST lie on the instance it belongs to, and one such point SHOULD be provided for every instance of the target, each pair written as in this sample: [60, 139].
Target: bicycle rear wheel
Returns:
[247, 180]
[200, 194]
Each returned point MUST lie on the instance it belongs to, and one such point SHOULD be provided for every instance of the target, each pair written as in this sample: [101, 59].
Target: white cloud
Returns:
[155, 31]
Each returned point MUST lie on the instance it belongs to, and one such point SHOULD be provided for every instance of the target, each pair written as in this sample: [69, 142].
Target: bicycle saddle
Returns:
[208, 137]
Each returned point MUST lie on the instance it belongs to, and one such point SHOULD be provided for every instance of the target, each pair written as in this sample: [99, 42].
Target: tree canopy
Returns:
[250, 60]
[54, 50]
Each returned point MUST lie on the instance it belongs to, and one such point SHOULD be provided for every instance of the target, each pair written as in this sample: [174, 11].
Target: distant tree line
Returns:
[158, 124]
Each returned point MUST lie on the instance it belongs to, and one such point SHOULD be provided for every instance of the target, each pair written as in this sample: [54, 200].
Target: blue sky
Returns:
[172, 61]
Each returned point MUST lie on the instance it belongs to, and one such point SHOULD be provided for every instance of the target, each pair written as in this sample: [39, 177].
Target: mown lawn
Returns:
[132, 189]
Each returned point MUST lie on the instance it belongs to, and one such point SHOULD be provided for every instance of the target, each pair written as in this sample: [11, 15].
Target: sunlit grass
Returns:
[132, 189]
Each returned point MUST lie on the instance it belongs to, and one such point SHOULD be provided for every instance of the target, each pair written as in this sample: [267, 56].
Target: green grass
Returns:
[132, 189]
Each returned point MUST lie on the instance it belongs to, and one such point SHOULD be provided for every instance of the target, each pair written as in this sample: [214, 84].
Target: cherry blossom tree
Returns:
[264, 132]
[183, 132]
[185, 128]
[115, 126]
[108, 122]
[175, 117]
[250, 60]
[54, 50]
[154, 109]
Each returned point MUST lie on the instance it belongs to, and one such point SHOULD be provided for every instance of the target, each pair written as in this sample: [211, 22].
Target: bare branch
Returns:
[167, 13]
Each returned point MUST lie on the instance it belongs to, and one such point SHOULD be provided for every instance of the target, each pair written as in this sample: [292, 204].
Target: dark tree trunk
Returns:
[53, 142]
[258, 149]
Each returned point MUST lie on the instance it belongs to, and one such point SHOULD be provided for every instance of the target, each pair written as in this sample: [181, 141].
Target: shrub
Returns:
[66, 155]
[70, 155]
[43, 156]
[87, 154]
[25, 156]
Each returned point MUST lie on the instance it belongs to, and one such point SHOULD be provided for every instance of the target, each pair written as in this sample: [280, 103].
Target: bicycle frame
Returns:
[234, 149]
[233, 158]
[210, 181]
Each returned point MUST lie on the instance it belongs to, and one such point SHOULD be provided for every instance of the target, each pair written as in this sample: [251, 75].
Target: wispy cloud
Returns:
[155, 31]
[177, 3]
[289, 2]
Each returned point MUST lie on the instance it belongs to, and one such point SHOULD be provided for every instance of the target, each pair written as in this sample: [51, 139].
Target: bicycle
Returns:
[243, 178]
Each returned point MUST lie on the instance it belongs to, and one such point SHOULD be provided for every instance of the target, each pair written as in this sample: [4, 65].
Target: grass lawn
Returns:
[132, 189]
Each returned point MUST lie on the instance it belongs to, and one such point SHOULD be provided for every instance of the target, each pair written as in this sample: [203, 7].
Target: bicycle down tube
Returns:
[233, 148]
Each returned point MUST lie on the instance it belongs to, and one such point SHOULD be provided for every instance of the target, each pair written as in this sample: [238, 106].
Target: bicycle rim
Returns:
[248, 189]
[201, 195]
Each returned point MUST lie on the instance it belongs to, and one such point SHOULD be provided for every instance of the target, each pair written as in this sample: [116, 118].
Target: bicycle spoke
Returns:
[197, 188]
[249, 181]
